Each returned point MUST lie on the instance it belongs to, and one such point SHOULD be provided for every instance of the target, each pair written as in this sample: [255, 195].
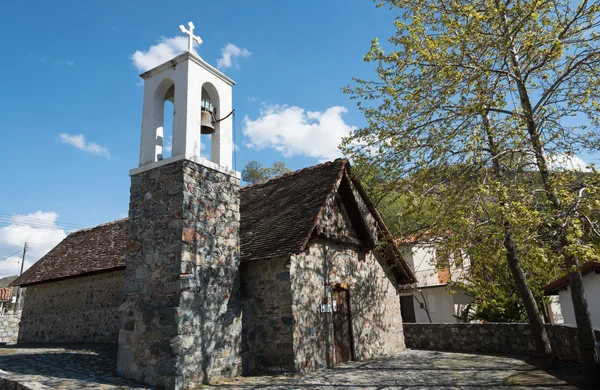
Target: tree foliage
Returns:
[471, 104]
[255, 173]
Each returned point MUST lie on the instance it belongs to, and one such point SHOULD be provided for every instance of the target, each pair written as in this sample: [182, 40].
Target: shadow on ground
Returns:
[69, 366]
[93, 366]
[423, 370]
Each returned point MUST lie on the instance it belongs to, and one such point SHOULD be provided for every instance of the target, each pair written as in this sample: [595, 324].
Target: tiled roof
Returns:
[554, 287]
[277, 219]
[86, 251]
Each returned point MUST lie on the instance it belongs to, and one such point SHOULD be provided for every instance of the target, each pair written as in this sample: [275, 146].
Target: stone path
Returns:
[414, 370]
[92, 367]
[61, 367]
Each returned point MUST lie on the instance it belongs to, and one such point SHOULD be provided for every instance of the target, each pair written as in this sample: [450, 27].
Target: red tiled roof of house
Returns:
[5, 294]
[554, 287]
[277, 218]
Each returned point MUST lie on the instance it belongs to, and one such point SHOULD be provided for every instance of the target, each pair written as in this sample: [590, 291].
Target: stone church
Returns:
[205, 279]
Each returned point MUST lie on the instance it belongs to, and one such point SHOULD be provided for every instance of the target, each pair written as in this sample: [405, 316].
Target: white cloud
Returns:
[38, 229]
[163, 51]
[229, 53]
[78, 141]
[569, 163]
[295, 131]
[168, 146]
[12, 266]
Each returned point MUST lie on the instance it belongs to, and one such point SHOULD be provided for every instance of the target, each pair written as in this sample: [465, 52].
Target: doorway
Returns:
[407, 309]
[342, 328]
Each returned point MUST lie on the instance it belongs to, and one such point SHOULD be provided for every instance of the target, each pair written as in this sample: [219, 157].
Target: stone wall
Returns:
[491, 338]
[75, 310]
[181, 315]
[9, 328]
[374, 304]
[267, 344]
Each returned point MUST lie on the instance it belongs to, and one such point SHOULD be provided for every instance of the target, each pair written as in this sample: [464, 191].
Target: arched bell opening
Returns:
[164, 99]
[210, 115]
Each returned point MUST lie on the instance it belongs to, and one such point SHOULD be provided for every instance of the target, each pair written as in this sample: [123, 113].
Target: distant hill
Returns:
[6, 280]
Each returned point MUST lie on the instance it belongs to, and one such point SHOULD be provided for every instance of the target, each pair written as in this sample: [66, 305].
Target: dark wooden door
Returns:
[341, 327]
[407, 309]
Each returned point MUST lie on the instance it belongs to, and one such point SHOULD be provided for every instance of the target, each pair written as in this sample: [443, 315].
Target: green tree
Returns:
[278, 169]
[493, 88]
[255, 173]
[431, 216]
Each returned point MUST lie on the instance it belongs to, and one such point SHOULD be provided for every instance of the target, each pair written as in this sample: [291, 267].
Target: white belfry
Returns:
[190, 83]
[191, 36]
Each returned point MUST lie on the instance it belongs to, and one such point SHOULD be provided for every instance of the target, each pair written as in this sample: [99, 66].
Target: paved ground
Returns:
[92, 367]
[62, 367]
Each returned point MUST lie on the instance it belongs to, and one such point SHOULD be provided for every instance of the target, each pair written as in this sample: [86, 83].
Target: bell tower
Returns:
[180, 314]
[196, 89]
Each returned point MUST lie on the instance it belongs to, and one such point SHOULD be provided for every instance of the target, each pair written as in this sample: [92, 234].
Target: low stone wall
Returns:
[499, 338]
[9, 328]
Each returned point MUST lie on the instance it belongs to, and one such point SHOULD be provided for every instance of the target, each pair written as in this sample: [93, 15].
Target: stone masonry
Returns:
[75, 310]
[181, 314]
[284, 328]
[9, 328]
[267, 316]
[374, 304]
[502, 338]
[337, 258]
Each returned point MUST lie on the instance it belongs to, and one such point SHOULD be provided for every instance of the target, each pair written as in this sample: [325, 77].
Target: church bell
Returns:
[206, 126]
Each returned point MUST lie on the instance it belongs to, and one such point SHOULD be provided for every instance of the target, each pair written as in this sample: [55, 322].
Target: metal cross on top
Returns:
[190, 34]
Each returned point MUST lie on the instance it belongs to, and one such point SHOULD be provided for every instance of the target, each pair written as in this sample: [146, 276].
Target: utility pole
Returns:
[17, 301]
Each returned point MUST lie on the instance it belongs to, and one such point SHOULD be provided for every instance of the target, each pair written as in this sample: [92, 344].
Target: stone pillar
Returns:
[181, 315]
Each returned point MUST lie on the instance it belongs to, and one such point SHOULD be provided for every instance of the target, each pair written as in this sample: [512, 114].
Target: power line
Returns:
[26, 219]
[37, 229]
[19, 251]
[19, 292]
[17, 218]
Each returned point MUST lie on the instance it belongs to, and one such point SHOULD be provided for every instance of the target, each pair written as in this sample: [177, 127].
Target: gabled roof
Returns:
[85, 251]
[554, 287]
[277, 218]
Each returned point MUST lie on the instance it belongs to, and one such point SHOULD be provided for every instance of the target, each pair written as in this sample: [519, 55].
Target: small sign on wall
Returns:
[328, 307]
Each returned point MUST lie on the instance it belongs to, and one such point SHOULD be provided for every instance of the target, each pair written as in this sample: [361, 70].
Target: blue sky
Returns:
[71, 110]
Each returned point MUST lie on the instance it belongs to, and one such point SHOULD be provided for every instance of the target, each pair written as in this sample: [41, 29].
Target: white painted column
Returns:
[222, 144]
[151, 143]
[186, 121]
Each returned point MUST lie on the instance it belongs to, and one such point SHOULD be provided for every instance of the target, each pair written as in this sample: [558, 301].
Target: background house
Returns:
[431, 299]
[560, 288]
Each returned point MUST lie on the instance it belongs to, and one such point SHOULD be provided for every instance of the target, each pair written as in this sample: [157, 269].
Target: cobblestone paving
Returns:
[92, 367]
[77, 367]
[411, 370]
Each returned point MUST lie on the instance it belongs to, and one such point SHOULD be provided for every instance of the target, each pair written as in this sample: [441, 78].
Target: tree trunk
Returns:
[585, 330]
[585, 334]
[539, 334]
